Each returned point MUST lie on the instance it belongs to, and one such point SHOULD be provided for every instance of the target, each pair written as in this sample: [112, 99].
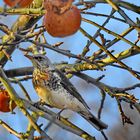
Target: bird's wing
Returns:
[70, 88]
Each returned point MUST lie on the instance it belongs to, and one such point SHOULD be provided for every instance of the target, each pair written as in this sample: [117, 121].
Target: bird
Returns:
[55, 89]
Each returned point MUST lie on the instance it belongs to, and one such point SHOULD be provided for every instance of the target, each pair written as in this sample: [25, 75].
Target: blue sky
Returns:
[76, 43]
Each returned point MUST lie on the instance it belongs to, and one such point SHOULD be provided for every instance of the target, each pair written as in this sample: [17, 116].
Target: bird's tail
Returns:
[95, 122]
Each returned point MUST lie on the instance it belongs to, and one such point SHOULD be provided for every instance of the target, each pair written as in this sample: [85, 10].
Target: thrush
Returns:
[56, 90]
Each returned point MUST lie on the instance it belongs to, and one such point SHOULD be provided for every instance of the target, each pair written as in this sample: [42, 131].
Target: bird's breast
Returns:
[51, 91]
[40, 82]
[44, 94]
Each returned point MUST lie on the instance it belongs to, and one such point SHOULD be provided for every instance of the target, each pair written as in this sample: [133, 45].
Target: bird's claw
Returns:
[58, 116]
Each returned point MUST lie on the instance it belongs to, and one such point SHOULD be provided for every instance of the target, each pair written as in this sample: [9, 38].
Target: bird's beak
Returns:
[28, 56]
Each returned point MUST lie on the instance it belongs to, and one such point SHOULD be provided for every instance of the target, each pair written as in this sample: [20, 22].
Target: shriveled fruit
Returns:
[5, 101]
[49, 4]
[18, 3]
[61, 25]
[62, 19]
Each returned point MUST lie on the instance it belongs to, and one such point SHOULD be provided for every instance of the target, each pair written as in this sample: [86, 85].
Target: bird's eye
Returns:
[39, 58]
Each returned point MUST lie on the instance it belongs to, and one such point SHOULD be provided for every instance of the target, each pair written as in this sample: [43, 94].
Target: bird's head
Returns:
[40, 61]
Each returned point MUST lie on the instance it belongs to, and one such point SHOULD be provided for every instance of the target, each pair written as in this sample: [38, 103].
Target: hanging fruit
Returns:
[18, 3]
[5, 101]
[61, 18]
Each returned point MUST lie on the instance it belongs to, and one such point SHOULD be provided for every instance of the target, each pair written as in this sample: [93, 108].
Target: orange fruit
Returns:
[62, 24]
[5, 101]
[57, 3]
[18, 3]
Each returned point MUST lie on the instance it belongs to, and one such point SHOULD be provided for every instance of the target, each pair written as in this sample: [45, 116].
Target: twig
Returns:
[64, 52]
[10, 130]
[112, 91]
[121, 3]
[110, 32]
[117, 66]
[125, 119]
[102, 104]
[13, 95]
[109, 54]
[23, 89]
[122, 13]
[104, 135]
[97, 33]
[63, 123]
[103, 15]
